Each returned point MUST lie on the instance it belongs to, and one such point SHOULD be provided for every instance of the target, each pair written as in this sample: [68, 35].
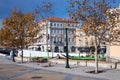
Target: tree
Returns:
[45, 14]
[97, 19]
[19, 30]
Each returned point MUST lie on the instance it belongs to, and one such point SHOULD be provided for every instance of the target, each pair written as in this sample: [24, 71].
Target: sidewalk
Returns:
[5, 59]
[108, 74]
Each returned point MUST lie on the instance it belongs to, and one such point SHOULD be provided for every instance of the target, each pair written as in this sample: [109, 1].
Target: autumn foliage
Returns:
[97, 18]
[18, 30]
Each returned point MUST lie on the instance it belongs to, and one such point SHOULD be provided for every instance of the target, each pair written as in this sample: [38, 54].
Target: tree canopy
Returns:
[18, 30]
[94, 15]
[98, 18]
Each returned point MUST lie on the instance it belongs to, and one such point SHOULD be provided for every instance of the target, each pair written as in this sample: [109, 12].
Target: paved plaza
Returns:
[39, 71]
[15, 72]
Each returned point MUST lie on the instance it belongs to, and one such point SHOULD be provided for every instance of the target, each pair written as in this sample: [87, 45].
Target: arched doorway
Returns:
[39, 48]
[65, 48]
[56, 49]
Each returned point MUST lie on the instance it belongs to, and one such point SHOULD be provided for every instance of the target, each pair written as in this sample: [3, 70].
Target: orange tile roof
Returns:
[60, 19]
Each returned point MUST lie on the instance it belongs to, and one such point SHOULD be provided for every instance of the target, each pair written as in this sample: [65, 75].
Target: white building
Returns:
[55, 28]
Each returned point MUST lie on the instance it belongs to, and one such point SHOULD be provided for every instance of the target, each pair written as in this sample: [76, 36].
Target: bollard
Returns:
[78, 63]
[115, 65]
[30, 58]
[85, 62]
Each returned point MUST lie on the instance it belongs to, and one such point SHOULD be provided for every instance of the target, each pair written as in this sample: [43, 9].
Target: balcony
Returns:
[58, 43]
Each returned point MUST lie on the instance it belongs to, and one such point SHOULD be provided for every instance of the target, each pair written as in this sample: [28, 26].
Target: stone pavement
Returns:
[5, 59]
[40, 71]
[26, 71]
[15, 72]
[107, 74]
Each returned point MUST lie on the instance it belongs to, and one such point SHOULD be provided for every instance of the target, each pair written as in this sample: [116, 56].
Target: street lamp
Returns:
[67, 58]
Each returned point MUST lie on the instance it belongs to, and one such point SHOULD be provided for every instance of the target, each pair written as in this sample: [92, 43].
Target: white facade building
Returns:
[55, 28]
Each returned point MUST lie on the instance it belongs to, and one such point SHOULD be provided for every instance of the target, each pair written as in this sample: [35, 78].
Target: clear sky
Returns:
[6, 6]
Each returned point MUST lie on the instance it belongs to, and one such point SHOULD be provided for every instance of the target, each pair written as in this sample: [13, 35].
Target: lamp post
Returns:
[67, 58]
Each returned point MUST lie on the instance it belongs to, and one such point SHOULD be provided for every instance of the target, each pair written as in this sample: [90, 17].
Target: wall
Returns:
[115, 52]
[28, 53]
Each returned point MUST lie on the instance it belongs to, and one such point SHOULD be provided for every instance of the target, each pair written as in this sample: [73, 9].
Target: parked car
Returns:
[7, 51]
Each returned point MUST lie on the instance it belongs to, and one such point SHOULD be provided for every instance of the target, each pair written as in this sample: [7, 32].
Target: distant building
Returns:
[114, 48]
[83, 41]
[55, 28]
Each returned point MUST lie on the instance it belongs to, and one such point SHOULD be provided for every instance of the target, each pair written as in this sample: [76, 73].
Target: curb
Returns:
[2, 54]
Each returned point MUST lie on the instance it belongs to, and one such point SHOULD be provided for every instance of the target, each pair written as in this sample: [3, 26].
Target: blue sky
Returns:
[6, 6]
[29, 5]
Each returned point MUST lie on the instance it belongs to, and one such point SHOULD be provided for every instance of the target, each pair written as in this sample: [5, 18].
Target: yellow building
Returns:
[82, 40]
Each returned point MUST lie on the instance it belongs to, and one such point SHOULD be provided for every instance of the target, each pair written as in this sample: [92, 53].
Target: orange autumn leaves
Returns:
[18, 29]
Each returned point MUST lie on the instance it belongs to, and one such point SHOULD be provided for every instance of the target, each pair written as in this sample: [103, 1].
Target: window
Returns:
[57, 24]
[54, 24]
[81, 43]
[61, 24]
[56, 49]
[92, 41]
[55, 31]
[62, 31]
[54, 39]
[48, 36]
[73, 49]
[57, 39]
[86, 42]
[50, 24]
[61, 40]
[72, 39]
[52, 31]
[69, 39]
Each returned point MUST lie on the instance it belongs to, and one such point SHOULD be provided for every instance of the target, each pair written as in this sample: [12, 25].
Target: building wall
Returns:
[82, 40]
[56, 34]
[115, 52]
[115, 48]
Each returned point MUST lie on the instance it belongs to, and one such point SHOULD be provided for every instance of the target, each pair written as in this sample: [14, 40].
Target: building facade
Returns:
[54, 34]
[114, 46]
[82, 40]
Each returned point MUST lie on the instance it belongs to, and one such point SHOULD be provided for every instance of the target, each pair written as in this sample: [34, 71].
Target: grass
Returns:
[80, 57]
[87, 58]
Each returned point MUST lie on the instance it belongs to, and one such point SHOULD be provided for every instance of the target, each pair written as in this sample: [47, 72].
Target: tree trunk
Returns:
[22, 56]
[49, 63]
[96, 56]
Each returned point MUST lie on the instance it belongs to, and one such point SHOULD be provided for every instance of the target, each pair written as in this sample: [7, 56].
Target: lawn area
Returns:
[81, 57]
[87, 58]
